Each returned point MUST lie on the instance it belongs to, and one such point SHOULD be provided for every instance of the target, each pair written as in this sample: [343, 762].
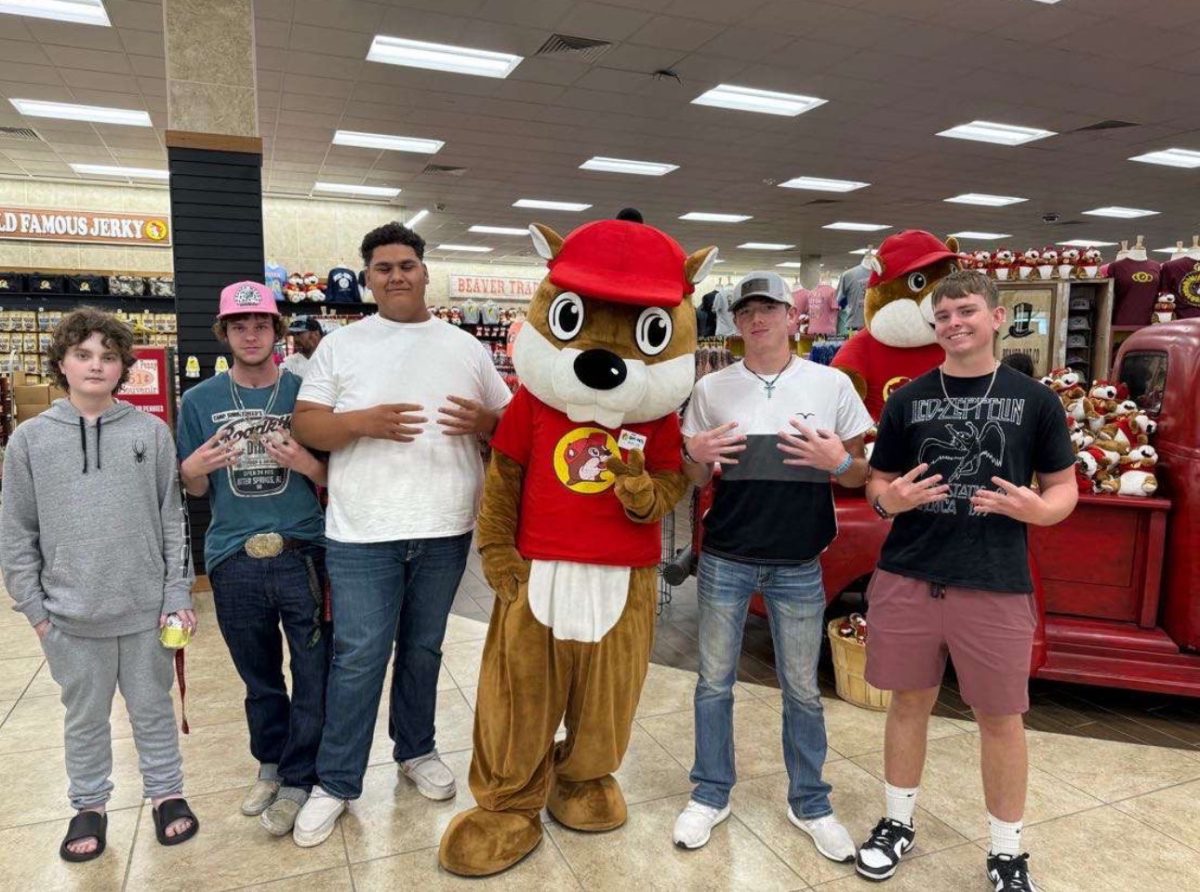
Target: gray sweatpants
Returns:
[88, 670]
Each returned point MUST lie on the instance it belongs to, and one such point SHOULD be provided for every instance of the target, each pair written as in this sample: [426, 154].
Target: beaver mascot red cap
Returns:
[898, 343]
[586, 461]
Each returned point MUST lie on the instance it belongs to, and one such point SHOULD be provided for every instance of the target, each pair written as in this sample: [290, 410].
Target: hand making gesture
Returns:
[220, 451]
[1018, 502]
[391, 421]
[907, 492]
[811, 447]
[466, 417]
[717, 445]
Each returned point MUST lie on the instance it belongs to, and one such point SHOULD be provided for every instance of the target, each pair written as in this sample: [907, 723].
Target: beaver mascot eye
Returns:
[566, 316]
[653, 331]
[917, 282]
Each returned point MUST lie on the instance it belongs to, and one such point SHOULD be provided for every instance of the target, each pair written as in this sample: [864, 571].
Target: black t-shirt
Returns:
[1018, 430]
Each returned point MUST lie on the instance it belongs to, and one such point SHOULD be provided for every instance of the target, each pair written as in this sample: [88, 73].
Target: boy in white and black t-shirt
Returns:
[782, 428]
[955, 450]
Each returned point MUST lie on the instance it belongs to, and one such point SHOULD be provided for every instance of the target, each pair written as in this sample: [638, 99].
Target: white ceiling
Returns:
[894, 73]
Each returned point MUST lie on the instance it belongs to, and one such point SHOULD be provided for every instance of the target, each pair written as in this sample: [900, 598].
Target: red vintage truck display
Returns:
[1120, 578]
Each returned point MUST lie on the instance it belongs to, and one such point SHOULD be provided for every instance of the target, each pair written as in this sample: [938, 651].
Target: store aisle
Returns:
[1110, 807]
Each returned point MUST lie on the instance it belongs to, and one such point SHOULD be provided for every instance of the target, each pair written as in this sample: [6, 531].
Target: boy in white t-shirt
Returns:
[782, 428]
[403, 493]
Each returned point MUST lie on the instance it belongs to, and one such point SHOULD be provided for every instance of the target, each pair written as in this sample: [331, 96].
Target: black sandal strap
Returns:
[168, 813]
[87, 825]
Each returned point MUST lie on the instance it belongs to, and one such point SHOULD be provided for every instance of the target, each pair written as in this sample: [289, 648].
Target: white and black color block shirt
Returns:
[766, 512]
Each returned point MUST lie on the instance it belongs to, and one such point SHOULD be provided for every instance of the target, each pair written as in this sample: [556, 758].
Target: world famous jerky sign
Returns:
[254, 473]
[95, 227]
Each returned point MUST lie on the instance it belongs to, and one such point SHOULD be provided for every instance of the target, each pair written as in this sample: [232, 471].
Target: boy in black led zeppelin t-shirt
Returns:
[955, 451]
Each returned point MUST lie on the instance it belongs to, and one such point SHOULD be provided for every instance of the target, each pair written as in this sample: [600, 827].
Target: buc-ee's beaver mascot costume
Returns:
[586, 461]
[898, 343]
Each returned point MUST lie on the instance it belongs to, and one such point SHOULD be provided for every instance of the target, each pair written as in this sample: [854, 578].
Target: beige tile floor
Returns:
[1098, 809]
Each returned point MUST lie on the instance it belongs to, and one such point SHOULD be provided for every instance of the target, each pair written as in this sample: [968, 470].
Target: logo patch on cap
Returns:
[752, 286]
[247, 297]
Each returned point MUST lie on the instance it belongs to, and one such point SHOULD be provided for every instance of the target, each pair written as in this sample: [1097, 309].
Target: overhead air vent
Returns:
[582, 49]
[22, 134]
[443, 170]
[1105, 125]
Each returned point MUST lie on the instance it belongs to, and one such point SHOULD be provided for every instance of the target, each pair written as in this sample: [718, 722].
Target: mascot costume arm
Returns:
[646, 497]
[496, 529]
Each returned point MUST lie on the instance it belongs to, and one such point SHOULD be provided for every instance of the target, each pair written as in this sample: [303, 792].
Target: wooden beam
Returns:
[214, 142]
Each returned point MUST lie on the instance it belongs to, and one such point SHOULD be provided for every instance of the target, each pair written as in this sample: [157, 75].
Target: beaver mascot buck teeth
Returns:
[586, 461]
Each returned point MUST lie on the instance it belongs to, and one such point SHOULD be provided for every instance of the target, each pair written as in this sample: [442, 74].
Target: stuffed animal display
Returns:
[898, 343]
[586, 461]
[1048, 263]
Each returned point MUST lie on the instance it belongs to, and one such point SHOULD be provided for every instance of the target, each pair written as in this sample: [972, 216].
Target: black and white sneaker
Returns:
[1010, 873]
[880, 855]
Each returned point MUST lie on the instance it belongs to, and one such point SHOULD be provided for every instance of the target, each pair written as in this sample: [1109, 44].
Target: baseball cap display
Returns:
[1078, 323]
[301, 324]
[762, 283]
[247, 297]
[1077, 340]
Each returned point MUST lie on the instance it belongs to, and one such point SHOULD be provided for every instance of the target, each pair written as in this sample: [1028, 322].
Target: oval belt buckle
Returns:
[264, 545]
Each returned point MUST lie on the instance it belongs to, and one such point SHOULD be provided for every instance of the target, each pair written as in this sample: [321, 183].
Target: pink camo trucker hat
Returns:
[247, 297]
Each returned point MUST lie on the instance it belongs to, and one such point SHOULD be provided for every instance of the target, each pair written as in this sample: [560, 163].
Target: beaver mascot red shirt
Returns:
[586, 461]
[898, 343]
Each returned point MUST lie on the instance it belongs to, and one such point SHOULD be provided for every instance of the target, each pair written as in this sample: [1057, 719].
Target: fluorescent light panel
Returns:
[984, 200]
[765, 246]
[859, 251]
[344, 189]
[82, 12]
[762, 101]
[1086, 243]
[1120, 212]
[623, 165]
[70, 112]
[108, 170]
[1170, 158]
[1000, 134]
[417, 218]
[791, 264]
[706, 217]
[550, 205]
[981, 236]
[499, 230]
[1167, 250]
[473, 249]
[441, 57]
[856, 227]
[386, 142]
[820, 184]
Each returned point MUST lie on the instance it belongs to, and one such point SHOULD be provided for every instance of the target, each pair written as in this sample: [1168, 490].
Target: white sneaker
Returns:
[695, 823]
[317, 818]
[433, 779]
[259, 796]
[828, 835]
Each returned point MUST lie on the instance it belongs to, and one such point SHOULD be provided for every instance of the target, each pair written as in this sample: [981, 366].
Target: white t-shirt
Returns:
[297, 364]
[381, 490]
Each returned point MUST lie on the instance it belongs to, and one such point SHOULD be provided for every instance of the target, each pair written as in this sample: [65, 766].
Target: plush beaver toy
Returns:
[586, 461]
[898, 343]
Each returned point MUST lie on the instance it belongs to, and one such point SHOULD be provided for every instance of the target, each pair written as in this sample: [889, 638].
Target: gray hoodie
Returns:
[92, 527]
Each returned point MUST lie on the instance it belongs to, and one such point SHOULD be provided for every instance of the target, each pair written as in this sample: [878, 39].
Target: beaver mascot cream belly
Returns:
[898, 343]
[586, 461]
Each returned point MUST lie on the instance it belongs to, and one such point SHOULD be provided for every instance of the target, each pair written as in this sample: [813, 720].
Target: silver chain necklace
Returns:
[966, 403]
[769, 385]
[237, 400]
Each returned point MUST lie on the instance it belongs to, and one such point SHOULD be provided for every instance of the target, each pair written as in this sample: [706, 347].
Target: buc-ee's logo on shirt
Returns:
[579, 460]
[1142, 277]
[893, 384]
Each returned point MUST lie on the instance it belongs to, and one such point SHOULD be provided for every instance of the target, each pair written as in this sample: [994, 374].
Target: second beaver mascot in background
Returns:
[586, 461]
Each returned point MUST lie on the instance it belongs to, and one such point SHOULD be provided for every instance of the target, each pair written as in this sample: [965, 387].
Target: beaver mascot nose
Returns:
[600, 369]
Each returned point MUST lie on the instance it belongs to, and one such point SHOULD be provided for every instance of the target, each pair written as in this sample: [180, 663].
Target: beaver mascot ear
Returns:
[699, 265]
[952, 243]
[546, 241]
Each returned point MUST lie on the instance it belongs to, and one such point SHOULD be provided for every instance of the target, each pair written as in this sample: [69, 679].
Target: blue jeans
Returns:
[252, 597]
[795, 601]
[385, 592]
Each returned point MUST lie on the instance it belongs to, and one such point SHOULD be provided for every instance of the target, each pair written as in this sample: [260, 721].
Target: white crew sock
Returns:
[901, 801]
[1006, 837]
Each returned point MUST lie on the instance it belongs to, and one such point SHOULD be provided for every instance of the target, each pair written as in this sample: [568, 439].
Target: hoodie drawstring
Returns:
[99, 422]
[83, 442]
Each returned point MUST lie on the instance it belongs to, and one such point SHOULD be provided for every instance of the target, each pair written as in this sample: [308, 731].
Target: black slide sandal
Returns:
[167, 814]
[85, 825]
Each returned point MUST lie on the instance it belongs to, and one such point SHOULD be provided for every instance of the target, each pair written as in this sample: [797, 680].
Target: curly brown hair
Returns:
[79, 325]
[221, 326]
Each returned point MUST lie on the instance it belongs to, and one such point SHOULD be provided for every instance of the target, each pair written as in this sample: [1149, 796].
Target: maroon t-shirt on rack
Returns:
[1181, 277]
[1135, 287]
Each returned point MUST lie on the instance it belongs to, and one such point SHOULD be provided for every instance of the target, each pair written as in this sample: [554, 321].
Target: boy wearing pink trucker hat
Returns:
[264, 549]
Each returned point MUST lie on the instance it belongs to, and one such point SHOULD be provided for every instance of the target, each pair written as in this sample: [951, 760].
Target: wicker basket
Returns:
[849, 669]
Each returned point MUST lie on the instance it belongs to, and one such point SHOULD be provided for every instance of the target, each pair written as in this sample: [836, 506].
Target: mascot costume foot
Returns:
[586, 462]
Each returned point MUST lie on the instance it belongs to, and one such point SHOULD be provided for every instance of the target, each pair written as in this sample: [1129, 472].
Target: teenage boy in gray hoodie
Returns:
[94, 551]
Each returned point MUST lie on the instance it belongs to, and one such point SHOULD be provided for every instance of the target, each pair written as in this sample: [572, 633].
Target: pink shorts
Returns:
[988, 635]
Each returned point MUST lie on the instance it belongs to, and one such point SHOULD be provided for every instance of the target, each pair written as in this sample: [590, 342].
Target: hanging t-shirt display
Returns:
[1135, 289]
[470, 312]
[275, 277]
[341, 286]
[822, 311]
[1181, 277]
[852, 295]
[490, 314]
[569, 511]
[725, 327]
[969, 430]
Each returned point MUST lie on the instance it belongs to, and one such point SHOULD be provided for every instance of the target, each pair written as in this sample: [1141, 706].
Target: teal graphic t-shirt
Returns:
[256, 494]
